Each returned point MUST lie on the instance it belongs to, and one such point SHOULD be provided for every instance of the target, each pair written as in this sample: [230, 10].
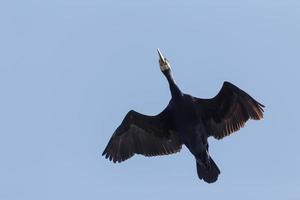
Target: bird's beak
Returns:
[161, 57]
[163, 62]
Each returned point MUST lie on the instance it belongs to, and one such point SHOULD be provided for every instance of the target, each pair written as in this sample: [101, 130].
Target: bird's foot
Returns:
[204, 160]
[207, 164]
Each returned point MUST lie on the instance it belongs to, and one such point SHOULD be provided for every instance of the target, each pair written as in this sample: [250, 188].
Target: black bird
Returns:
[186, 120]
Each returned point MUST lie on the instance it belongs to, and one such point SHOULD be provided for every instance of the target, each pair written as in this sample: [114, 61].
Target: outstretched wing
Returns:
[228, 111]
[141, 134]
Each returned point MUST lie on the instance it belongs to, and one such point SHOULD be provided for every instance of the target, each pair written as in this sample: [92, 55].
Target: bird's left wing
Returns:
[228, 111]
[141, 134]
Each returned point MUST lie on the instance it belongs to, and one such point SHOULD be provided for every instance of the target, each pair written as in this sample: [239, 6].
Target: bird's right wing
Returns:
[141, 134]
[228, 111]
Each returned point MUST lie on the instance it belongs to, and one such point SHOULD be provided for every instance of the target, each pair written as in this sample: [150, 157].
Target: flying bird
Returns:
[187, 120]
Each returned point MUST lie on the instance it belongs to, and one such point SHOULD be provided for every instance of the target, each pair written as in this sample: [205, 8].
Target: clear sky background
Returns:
[71, 69]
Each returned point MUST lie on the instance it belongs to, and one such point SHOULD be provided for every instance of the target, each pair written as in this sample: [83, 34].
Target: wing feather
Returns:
[141, 134]
[229, 110]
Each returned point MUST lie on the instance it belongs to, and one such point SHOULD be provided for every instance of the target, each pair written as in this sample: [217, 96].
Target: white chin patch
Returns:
[165, 67]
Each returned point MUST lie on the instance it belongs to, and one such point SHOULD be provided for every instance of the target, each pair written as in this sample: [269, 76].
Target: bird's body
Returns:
[186, 120]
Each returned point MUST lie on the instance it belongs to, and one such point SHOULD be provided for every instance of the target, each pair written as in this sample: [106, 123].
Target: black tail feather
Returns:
[209, 175]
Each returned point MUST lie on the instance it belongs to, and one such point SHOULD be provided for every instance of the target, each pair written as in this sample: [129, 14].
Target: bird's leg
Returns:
[198, 146]
[205, 142]
[207, 146]
[204, 155]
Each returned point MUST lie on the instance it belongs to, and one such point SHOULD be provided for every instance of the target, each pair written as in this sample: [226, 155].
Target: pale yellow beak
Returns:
[163, 62]
[161, 57]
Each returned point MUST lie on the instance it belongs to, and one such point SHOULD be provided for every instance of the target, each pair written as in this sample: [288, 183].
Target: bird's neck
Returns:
[175, 91]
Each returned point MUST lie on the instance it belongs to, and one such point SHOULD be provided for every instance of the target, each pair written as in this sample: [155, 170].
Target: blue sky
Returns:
[70, 71]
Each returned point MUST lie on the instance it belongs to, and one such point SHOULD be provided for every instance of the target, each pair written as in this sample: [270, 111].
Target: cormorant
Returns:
[186, 120]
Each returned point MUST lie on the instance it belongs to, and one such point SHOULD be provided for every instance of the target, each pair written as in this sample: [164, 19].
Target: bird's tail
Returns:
[208, 174]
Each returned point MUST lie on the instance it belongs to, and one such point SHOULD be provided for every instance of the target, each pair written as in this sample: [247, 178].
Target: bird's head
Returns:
[163, 62]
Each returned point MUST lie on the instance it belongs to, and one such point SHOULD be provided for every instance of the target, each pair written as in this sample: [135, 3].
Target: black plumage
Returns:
[186, 120]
